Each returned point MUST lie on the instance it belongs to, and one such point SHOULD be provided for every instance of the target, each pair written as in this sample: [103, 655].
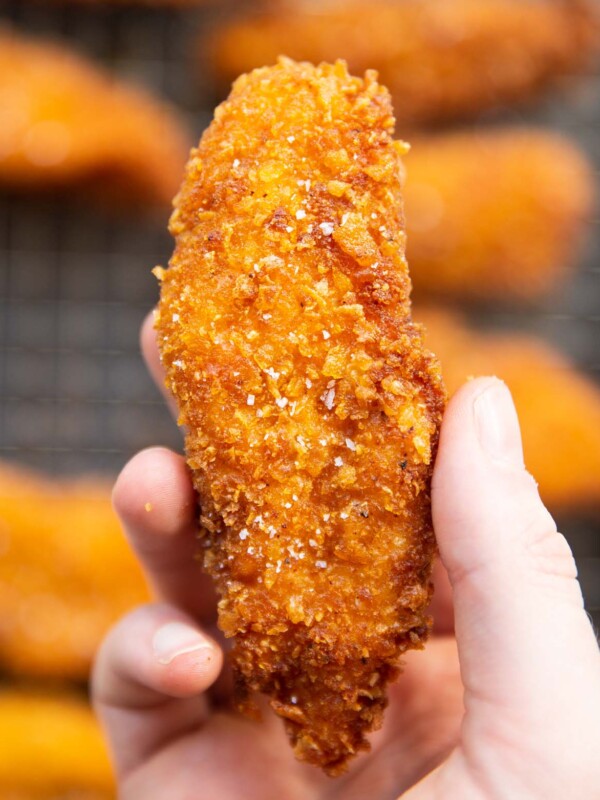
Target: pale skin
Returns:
[503, 704]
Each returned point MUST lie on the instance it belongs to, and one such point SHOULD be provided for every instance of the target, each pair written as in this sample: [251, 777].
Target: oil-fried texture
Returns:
[66, 124]
[441, 59]
[496, 216]
[52, 748]
[66, 573]
[559, 407]
[312, 409]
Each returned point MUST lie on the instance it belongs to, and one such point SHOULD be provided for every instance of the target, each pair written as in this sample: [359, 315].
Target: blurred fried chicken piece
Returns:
[312, 408]
[66, 573]
[65, 124]
[558, 406]
[495, 216]
[51, 747]
[441, 59]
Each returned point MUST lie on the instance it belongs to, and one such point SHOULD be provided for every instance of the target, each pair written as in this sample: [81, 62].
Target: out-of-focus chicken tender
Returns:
[65, 124]
[311, 406]
[51, 748]
[558, 406]
[495, 216]
[66, 573]
[441, 59]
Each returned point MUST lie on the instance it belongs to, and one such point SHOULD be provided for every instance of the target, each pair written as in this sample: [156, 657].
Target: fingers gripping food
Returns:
[51, 747]
[441, 59]
[66, 573]
[559, 407]
[495, 216]
[65, 124]
[312, 408]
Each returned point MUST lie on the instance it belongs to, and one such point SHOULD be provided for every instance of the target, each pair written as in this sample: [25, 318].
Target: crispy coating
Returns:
[51, 748]
[65, 124]
[558, 406]
[496, 216]
[311, 407]
[441, 59]
[66, 573]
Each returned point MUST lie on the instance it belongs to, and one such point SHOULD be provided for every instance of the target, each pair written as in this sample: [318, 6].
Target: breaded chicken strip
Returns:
[311, 406]
[558, 406]
[65, 124]
[66, 573]
[441, 59]
[51, 747]
[495, 216]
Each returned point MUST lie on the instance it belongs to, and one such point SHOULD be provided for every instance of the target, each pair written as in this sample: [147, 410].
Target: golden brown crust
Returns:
[497, 215]
[66, 573]
[51, 747]
[312, 408]
[558, 406]
[441, 59]
[66, 124]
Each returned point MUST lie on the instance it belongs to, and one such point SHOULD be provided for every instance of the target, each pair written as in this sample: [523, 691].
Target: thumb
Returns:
[526, 646]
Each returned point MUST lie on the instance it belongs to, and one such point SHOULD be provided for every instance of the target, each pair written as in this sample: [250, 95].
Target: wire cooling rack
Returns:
[75, 285]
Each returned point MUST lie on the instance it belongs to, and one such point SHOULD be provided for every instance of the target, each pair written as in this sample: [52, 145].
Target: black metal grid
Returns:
[75, 285]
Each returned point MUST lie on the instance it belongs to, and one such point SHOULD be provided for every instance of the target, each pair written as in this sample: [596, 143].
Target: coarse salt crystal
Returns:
[179, 364]
[282, 402]
[328, 397]
[289, 228]
[343, 515]
[326, 517]
[313, 543]
[338, 461]
[291, 139]
[236, 163]
[175, 317]
[350, 445]
[300, 214]
[287, 505]
[244, 533]
[326, 335]
[250, 399]
[308, 383]
[321, 564]
[327, 228]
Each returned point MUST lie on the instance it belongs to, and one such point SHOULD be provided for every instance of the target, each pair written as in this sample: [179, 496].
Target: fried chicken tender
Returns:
[66, 124]
[311, 407]
[66, 573]
[51, 748]
[496, 216]
[442, 60]
[559, 407]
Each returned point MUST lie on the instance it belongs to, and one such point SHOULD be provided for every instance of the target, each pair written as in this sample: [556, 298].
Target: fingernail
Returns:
[498, 425]
[176, 639]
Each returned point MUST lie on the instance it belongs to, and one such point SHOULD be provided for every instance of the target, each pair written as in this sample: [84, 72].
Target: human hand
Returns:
[519, 719]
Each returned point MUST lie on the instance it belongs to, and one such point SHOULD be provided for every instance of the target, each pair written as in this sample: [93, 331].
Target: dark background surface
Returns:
[75, 283]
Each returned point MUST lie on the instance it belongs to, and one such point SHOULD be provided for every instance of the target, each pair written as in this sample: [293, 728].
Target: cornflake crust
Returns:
[311, 407]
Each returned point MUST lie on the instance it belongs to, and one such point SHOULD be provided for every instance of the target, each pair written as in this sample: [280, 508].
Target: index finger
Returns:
[156, 503]
[152, 358]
